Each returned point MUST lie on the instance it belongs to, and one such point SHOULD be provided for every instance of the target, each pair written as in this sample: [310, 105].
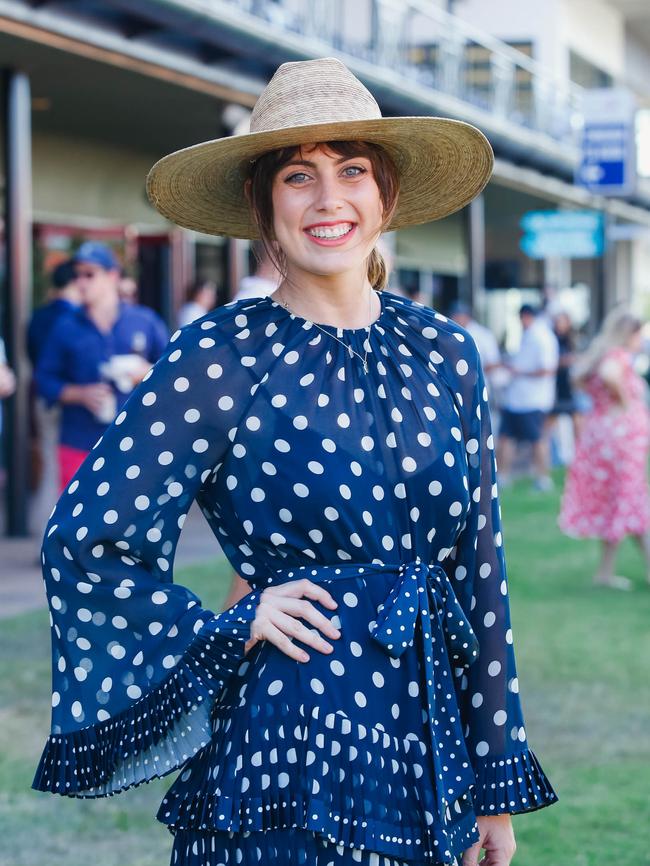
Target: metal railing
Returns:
[421, 42]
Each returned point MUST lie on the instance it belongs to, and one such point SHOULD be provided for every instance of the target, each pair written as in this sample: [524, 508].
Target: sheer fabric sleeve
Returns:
[136, 661]
[509, 778]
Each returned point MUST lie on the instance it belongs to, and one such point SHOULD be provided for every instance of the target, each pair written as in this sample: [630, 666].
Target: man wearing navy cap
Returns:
[94, 357]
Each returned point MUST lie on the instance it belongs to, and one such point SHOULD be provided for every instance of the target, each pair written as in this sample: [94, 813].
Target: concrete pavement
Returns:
[21, 583]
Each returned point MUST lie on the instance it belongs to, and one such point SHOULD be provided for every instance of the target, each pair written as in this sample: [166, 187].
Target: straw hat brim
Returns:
[442, 165]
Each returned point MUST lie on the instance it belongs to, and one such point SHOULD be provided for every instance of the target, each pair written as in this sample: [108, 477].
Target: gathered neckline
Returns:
[335, 329]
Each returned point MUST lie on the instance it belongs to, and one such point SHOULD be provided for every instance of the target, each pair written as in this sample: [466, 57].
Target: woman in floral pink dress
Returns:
[606, 494]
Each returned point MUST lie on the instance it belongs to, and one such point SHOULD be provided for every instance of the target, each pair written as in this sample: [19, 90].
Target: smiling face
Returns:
[327, 211]
[324, 205]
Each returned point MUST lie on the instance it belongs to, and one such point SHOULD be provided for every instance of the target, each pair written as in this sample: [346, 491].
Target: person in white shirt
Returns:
[529, 397]
[486, 342]
[265, 279]
[201, 298]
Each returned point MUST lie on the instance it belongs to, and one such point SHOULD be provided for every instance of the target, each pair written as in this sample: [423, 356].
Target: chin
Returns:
[333, 262]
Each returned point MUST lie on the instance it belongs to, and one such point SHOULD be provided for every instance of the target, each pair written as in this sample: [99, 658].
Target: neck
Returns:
[104, 312]
[341, 300]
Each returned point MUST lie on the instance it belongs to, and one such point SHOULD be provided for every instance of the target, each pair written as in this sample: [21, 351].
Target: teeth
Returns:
[331, 231]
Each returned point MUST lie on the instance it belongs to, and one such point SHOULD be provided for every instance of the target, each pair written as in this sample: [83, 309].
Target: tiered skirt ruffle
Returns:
[295, 846]
[354, 786]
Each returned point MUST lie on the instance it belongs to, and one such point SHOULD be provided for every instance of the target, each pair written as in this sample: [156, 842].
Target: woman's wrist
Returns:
[496, 815]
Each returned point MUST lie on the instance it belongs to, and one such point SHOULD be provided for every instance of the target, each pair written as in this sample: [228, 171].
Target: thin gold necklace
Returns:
[364, 359]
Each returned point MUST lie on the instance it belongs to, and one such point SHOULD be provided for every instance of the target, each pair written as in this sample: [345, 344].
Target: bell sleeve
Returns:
[509, 778]
[137, 663]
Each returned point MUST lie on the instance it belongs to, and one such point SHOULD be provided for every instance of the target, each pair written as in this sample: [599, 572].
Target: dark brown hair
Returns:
[264, 169]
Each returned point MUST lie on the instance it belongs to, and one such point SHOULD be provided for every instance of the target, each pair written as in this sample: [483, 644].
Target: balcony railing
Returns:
[421, 42]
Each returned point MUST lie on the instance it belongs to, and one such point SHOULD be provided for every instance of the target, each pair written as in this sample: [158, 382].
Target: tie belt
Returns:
[423, 593]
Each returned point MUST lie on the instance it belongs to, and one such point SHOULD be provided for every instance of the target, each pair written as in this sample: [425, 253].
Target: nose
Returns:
[328, 197]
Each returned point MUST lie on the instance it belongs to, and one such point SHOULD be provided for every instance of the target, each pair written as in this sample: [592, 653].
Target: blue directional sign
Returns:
[562, 234]
[608, 163]
[605, 158]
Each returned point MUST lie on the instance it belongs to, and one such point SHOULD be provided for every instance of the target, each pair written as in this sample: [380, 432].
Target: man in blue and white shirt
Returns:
[73, 366]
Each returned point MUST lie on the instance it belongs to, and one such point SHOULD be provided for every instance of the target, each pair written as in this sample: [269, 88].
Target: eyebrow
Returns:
[309, 164]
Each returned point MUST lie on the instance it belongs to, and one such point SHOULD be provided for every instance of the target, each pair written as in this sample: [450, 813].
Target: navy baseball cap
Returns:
[93, 253]
[528, 310]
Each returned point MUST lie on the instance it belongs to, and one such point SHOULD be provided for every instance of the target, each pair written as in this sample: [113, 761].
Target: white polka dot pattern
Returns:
[301, 464]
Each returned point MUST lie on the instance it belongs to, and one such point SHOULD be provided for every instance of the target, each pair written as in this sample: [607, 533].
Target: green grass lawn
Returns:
[583, 663]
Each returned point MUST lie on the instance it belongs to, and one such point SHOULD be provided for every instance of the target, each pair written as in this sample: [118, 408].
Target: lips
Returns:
[333, 234]
[330, 232]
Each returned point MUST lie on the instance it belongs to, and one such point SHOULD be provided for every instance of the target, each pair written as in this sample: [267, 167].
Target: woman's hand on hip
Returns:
[497, 838]
[279, 615]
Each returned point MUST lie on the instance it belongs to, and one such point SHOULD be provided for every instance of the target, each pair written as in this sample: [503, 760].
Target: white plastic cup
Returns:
[108, 409]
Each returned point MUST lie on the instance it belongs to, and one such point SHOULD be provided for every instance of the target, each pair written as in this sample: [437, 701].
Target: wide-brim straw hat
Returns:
[442, 164]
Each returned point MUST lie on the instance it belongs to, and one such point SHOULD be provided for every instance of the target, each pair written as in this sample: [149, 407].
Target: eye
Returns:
[354, 170]
[296, 177]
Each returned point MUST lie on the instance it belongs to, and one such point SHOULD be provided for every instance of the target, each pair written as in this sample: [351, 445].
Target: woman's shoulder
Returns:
[230, 329]
[449, 343]
[230, 318]
[226, 338]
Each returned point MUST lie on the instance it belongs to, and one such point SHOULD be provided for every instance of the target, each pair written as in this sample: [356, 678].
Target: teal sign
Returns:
[562, 234]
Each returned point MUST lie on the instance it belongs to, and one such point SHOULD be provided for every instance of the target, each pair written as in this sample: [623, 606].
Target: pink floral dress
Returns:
[606, 494]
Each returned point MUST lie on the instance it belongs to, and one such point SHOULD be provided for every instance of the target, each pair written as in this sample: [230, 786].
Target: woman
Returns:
[606, 494]
[337, 439]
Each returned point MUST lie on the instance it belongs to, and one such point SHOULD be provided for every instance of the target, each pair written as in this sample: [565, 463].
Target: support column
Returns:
[17, 291]
[474, 286]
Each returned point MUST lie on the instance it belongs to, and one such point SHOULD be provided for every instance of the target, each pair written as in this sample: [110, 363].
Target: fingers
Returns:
[306, 610]
[279, 614]
[498, 840]
[499, 856]
[307, 589]
[248, 646]
[283, 642]
[496, 859]
[291, 626]
[471, 855]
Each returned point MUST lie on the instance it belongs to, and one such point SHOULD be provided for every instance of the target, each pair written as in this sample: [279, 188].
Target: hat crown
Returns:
[311, 92]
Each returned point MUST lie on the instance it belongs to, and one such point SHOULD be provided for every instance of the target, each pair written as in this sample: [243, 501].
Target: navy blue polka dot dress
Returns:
[379, 485]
